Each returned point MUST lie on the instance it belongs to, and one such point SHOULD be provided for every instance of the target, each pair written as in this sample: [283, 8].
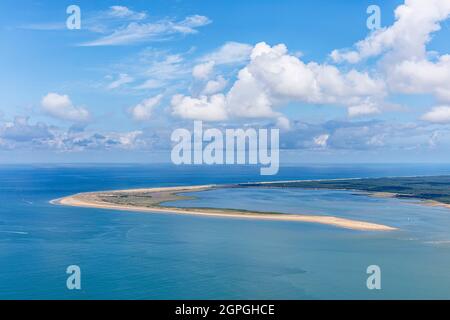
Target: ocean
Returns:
[129, 255]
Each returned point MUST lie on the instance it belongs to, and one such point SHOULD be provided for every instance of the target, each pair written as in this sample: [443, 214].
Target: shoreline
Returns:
[166, 194]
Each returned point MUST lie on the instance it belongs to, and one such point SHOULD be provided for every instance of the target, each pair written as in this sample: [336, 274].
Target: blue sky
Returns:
[114, 90]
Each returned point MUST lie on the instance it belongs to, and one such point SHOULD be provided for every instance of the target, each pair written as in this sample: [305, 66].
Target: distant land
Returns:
[434, 188]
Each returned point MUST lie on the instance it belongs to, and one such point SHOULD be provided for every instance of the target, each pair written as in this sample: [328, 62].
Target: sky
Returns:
[115, 89]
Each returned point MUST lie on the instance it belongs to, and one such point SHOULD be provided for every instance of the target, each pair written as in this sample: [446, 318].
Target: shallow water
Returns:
[162, 256]
[414, 218]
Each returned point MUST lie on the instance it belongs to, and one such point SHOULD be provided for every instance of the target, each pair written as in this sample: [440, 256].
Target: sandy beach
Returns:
[155, 196]
[433, 203]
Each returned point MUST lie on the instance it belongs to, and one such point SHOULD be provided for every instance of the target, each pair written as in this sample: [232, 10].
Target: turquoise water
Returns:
[162, 256]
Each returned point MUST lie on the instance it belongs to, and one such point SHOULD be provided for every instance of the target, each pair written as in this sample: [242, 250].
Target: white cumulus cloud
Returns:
[203, 70]
[439, 114]
[61, 107]
[143, 111]
[214, 86]
[401, 50]
[415, 21]
[364, 109]
[422, 76]
[203, 108]
[229, 53]
[273, 77]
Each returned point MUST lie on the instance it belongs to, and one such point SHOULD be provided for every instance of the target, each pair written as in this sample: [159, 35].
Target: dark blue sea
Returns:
[129, 255]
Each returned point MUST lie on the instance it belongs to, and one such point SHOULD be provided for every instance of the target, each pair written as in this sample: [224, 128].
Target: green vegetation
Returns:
[140, 199]
[427, 188]
[156, 198]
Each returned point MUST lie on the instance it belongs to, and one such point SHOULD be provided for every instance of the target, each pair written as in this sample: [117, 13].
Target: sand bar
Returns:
[153, 198]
